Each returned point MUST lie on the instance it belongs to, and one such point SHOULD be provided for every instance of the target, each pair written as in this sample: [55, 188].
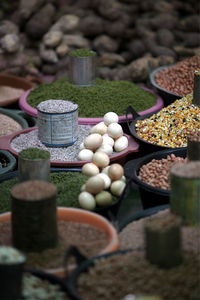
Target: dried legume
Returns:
[156, 172]
[179, 78]
[170, 126]
[194, 136]
[30, 139]
[8, 93]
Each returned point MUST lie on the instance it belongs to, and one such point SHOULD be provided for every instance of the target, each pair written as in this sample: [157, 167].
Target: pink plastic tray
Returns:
[133, 146]
[89, 121]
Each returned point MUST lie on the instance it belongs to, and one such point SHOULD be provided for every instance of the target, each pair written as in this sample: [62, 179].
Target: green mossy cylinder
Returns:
[163, 241]
[34, 219]
[196, 89]
[34, 164]
[193, 150]
[185, 192]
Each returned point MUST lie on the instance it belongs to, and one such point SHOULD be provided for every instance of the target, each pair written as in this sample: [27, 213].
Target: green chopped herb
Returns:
[82, 52]
[68, 189]
[95, 101]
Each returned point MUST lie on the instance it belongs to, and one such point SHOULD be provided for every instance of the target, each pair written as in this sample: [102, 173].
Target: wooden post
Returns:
[34, 220]
[196, 89]
[193, 146]
[163, 241]
[185, 191]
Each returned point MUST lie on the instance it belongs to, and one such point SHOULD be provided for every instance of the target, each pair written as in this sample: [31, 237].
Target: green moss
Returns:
[34, 153]
[95, 101]
[82, 52]
[68, 188]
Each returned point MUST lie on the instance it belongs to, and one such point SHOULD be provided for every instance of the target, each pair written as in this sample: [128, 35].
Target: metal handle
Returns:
[131, 111]
[73, 251]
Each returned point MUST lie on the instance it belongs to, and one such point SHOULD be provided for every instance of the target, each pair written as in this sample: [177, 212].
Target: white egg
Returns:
[86, 201]
[104, 198]
[100, 128]
[105, 170]
[115, 130]
[115, 172]
[123, 178]
[108, 140]
[106, 179]
[93, 141]
[121, 143]
[83, 188]
[101, 159]
[106, 149]
[85, 154]
[110, 117]
[82, 146]
[117, 187]
[90, 169]
[94, 185]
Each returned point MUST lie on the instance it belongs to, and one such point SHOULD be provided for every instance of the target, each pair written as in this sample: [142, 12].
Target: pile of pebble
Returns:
[36, 36]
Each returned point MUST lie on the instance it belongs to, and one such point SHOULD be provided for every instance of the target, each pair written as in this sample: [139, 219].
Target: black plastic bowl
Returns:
[150, 196]
[145, 147]
[166, 95]
[110, 212]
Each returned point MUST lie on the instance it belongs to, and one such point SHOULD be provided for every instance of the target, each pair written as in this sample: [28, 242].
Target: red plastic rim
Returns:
[90, 121]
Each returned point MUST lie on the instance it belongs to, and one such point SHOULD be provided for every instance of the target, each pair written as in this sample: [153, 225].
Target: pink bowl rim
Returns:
[91, 121]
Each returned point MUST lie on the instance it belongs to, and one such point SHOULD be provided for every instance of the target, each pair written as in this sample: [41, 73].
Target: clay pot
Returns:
[84, 217]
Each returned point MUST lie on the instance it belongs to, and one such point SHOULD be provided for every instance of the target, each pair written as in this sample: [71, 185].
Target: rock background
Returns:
[128, 35]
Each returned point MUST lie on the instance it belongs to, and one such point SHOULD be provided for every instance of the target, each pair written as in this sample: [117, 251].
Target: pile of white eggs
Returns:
[106, 136]
[104, 182]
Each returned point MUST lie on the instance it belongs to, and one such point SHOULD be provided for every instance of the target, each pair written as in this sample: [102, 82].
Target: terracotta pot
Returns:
[85, 217]
[16, 82]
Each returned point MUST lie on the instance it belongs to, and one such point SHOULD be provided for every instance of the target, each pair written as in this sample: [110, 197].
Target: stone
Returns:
[104, 43]
[111, 59]
[137, 48]
[27, 8]
[62, 49]
[166, 20]
[52, 38]
[40, 23]
[10, 43]
[165, 37]
[7, 27]
[91, 25]
[48, 55]
[66, 23]
[75, 40]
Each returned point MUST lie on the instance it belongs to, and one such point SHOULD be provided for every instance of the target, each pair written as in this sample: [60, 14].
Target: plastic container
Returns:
[84, 217]
[89, 121]
[166, 95]
[150, 196]
[120, 157]
[146, 147]
[16, 82]
[10, 162]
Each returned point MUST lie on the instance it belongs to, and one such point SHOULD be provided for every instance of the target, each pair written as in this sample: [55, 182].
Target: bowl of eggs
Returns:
[105, 188]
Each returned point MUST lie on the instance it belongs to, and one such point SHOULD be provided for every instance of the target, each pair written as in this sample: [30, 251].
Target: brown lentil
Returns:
[171, 125]
[156, 172]
[8, 125]
[87, 238]
[179, 78]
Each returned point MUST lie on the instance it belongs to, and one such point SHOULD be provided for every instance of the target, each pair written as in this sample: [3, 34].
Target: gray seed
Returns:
[30, 139]
[57, 106]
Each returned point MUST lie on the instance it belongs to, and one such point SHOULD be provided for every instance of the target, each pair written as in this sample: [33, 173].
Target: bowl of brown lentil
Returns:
[167, 128]
[151, 174]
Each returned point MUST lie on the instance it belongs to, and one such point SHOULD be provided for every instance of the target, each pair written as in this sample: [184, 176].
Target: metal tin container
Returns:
[57, 129]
